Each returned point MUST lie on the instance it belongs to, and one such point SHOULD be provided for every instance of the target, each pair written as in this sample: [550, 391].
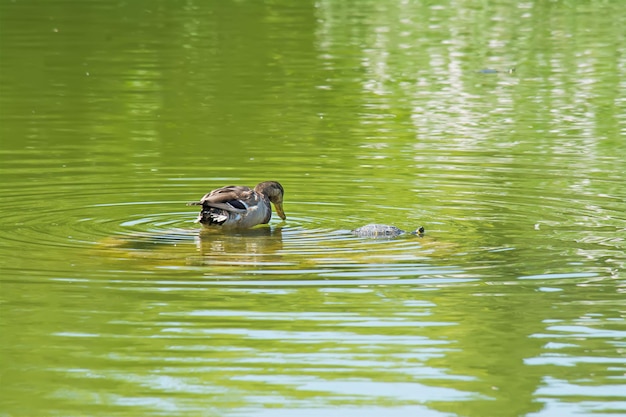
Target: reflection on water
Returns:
[250, 247]
[113, 302]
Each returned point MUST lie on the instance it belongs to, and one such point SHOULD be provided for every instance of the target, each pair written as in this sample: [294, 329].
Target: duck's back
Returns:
[234, 206]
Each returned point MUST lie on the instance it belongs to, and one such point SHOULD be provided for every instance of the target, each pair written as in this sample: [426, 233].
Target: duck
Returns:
[240, 207]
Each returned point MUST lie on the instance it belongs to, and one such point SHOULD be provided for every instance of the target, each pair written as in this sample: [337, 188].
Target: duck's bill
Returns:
[279, 211]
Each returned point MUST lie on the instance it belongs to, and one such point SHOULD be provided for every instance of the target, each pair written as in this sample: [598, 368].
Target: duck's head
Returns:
[274, 192]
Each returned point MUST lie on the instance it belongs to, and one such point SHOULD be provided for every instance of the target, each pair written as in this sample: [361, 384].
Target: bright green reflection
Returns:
[113, 115]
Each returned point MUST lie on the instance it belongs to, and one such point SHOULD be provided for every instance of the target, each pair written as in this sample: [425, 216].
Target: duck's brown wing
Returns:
[233, 198]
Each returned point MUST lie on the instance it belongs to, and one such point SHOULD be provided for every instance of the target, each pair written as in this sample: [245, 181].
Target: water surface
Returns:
[114, 115]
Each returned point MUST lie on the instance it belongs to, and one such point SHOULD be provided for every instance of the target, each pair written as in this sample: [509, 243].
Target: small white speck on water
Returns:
[536, 226]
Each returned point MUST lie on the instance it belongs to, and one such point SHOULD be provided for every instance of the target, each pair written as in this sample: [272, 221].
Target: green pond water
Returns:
[113, 115]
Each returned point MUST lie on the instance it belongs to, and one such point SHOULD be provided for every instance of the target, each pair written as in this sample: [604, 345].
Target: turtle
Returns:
[383, 231]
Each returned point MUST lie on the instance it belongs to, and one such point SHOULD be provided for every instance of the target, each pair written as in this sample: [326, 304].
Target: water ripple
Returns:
[481, 214]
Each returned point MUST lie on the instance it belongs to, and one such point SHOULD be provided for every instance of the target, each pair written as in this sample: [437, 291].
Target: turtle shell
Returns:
[378, 230]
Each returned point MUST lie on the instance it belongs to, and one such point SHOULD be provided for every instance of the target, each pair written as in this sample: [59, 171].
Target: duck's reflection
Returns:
[249, 246]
